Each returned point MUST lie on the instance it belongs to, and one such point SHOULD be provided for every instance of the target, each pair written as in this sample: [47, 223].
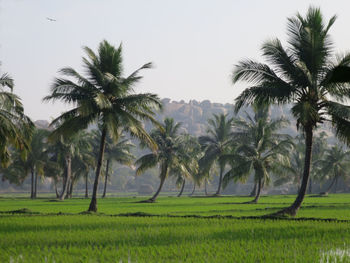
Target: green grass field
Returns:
[56, 232]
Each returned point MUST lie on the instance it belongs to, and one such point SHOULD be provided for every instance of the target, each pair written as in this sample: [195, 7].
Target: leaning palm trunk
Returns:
[163, 175]
[218, 192]
[182, 188]
[194, 189]
[293, 209]
[93, 203]
[253, 192]
[67, 177]
[258, 192]
[330, 186]
[106, 180]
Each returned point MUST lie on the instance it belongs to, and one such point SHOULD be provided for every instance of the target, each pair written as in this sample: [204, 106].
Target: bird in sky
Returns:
[51, 19]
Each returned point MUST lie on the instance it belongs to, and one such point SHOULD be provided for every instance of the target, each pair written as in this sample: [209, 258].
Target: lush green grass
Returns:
[334, 206]
[84, 238]
[46, 237]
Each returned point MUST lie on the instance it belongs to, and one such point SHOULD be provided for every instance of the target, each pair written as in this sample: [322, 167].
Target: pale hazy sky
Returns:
[193, 43]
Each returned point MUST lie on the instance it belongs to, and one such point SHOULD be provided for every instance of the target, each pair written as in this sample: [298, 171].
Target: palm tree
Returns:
[105, 97]
[216, 145]
[261, 149]
[81, 166]
[169, 154]
[63, 150]
[15, 127]
[53, 170]
[189, 152]
[300, 75]
[335, 165]
[37, 157]
[33, 164]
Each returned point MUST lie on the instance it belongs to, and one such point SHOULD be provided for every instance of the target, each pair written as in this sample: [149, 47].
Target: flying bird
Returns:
[51, 19]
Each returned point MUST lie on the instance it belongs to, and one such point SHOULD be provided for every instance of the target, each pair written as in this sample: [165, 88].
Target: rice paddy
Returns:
[174, 229]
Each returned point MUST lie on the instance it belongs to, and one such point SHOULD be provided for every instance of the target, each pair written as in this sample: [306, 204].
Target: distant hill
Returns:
[42, 124]
[194, 115]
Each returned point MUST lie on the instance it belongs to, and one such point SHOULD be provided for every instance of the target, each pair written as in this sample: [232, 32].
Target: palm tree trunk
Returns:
[293, 209]
[106, 179]
[93, 203]
[310, 186]
[56, 191]
[258, 192]
[70, 192]
[35, 184]
[68, 172]
[253, 192]
[330, 186]
[220, 180]
[86, 186]
[32, 184]
[64, 183]
[163, 175]
[182, 188]
[194, 188]
[205, 187]
[336, 184]
[68, 188]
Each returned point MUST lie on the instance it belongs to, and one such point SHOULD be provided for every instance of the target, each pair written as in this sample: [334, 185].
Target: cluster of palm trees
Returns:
[306, 75]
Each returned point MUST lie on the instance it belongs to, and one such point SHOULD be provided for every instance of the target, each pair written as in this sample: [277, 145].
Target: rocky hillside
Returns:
[194, 115]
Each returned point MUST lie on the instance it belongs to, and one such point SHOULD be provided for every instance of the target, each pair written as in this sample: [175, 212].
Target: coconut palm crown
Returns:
[216, 145]
[300, 75]
[335, 165]
[15, 127]
[261, 148]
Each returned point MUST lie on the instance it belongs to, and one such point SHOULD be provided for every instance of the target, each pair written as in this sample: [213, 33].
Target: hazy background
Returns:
[194, 44]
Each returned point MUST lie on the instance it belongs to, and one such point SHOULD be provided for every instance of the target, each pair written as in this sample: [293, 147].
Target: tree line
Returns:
[306, 75]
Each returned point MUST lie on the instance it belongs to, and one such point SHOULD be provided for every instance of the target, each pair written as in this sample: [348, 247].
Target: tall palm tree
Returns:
[261, 148]
[168, 155]
[105, 97]
[216, 145]
[319, 147]
[15, 127]
[335, 165]
[300, 75]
